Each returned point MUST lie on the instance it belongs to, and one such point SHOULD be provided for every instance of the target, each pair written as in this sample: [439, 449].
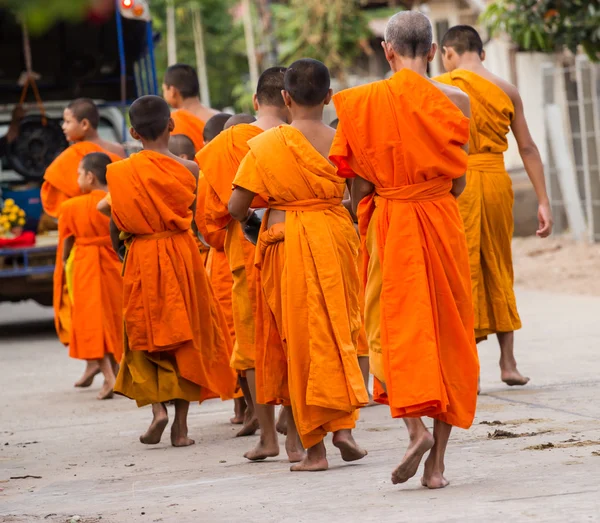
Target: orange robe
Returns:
[219, 161]
[311, 290]
[177, 343]
[418, 311]
[97, 313]
[60, 184]
[486, 205]
[190, 125]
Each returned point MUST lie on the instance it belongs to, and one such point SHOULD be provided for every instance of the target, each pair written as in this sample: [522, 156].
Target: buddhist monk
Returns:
[237, 119]
[307, 254]
[80, 125]
[405, 142]
[181, 90]
[486, 205]
[219, 162]
[214, 126]
[104, 205]
[177, 345]
[97, 315]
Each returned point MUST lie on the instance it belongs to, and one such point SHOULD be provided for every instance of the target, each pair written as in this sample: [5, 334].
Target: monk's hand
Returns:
[545, 220]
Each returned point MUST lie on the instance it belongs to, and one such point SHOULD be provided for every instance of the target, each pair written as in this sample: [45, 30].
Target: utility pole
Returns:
[171, 34]
[269, 39]
[200, 54]
[250, 43]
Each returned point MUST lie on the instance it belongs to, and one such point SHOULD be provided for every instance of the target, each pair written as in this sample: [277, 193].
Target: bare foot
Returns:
[315, 460]
[179, 437]
[91, 370]
[263, 451]
[249, 429]
[434, 481]
[349, 450]
[239, 410]
[294, 449]
[281, 426]
[371, 403]
[414, 454]
[478, 385]
[158, 425]
[514, 378]
[106, 392]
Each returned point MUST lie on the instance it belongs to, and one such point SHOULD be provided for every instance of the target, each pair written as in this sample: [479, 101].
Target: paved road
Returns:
[92, 465]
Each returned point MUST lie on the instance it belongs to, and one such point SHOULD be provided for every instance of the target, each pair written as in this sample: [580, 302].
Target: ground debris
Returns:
[506, 434]
[26, 477]
[495, 422]
[564, 445]
[542, 446]
[595, 453]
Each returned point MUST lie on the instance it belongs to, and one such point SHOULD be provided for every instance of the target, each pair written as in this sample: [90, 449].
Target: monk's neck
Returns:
[470, 62]
[268, 117]
[417, 65]
[93, 137]
[193, 105]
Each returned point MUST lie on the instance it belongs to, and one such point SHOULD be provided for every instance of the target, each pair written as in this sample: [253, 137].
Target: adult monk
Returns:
[307, 255]
[405, 140]
[219, 162]
[97, 319]
[80, 125]
[181, 90]
[177, 345]
[486, 205]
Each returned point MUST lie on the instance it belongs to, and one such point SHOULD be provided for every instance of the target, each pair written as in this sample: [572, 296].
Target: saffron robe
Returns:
[219, 161]
[190, 125]
[486, 205]
[311, 289]
[418, 311]
[177, 344]
[60, 184]
[97, 287]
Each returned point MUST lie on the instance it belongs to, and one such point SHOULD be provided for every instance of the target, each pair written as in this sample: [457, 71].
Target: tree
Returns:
[547, 25]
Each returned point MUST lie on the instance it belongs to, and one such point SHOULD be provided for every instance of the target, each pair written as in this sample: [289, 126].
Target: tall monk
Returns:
[177, 345]
[80, 125]
[307, 254]
[486, 205]
[181, 90]
[219, 162]
[405, 141]
[97, 314]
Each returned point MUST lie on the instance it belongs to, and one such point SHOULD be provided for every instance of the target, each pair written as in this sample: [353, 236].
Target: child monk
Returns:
[181, 90]
[307, 255]
[237, 119]
[97, 290]
[177, 346]
[211, 245]
[80, 125]
[486, 205]
[404, 141]
[219, 162]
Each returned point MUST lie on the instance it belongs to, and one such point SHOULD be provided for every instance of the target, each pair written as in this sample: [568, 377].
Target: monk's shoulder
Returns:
[191, 166]
[115, 148]
[445, 78]
[509, 89]
[458, 97]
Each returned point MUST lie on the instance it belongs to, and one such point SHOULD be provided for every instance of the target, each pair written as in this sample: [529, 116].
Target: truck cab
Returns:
[107, 57]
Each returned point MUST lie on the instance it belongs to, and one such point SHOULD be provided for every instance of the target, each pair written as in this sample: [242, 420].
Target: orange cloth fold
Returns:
[60, 184]
[486, 205]
[190, 125]
[418, 310]
[177, 341]
[97, 315]
[311, 294]
[219, 162]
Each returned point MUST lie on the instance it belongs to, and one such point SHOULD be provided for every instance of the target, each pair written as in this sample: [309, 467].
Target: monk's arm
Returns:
[347, 203]
[532, 161]
[104, 207]
[239, 204]
[464, 104]
[114, 236]
[67, 247]
[361, 188]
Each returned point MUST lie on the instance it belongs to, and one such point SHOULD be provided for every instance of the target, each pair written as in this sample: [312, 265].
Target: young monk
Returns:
[307, 255]
[219, 162]
[486, 205]
[177, 345]
[97, 316]
[181, 90]
[237, 119]
[80, 125]
[404, 140]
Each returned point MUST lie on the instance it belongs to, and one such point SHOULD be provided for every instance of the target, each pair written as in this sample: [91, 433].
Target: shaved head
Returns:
[96, 163]
[410, 34]
[214, 126]
[307, 81]
[85, 109]
[270, 85]
[181, 145]
[238, 119]
[149, 116]
[463, 39]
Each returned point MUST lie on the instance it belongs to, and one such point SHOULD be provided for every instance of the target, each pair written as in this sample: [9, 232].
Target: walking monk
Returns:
[176, 342]
[307, 255]
[405, 140]
[80, 125]
[486, 205]
[219, 162]
[181, 90]
[97, 290]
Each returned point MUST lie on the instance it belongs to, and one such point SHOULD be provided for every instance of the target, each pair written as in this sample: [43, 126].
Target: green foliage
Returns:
[40, 14]
[331, 32]
[547, 25]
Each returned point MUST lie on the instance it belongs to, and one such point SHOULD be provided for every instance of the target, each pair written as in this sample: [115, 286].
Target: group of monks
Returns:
[223, 260]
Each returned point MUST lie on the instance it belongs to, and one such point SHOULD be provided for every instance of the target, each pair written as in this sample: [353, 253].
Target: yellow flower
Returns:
[12, 217]
[6, 226]
[21, 212]
[21, 221]
[9, 202]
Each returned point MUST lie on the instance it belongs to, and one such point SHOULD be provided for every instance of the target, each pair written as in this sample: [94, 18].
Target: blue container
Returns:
[27, 199]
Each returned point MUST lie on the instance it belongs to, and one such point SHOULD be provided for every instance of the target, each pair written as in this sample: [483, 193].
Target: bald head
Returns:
[182, 146]
[149, 116]
[214, 126]
[237, 119]
[410, 34]
[463, 39]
